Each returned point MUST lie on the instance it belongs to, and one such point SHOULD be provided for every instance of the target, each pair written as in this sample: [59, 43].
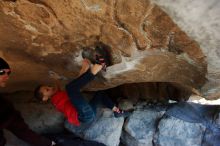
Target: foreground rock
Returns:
[12, 140]
[106, 129]
[140, 128]
[151, 126]
[175, 132]
[41, 117]
[147, 126]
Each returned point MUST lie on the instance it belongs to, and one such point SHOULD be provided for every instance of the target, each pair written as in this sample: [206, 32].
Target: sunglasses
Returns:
[3, 72]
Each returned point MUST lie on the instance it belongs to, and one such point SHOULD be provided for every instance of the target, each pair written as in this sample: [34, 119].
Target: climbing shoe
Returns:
[97, 55]
[122, 113]
[89, 53]
[100, 60]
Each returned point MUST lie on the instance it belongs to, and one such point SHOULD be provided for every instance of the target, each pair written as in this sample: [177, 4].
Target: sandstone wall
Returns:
[38, 36]
[200, 20]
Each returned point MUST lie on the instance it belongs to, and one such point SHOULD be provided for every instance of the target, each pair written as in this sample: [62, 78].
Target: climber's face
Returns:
[47, 92]
[4, 76]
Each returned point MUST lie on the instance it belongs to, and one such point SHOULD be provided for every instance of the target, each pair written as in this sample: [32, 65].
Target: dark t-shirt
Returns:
[7, 112]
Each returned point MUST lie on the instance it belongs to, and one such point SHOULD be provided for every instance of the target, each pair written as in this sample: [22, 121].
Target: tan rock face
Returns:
[38, 36]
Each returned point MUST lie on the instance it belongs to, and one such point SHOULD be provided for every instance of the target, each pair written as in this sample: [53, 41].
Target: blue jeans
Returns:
[86, 111]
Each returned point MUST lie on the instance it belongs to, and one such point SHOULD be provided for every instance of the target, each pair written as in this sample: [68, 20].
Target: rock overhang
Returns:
[146, 45]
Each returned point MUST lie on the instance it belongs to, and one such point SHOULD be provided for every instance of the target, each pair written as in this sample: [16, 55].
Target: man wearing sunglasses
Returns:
[12, 120]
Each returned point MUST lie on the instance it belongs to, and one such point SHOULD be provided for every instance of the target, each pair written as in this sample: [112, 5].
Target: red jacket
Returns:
[61, 101]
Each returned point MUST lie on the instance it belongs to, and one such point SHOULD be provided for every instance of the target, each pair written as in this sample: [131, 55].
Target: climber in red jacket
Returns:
[71, 101]
[12, 120]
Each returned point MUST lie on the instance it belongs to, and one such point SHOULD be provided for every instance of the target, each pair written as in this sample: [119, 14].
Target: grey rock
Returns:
[41, 117]
[147, 126]
[12, 140]
[218, 119]
[175, 132]
[105, 129]
[140, 127]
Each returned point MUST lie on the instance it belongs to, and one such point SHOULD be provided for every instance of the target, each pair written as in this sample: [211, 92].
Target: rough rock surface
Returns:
[200, 20]
[175, 132]
[146, 45]
[106, 129]
[170, 131]
[155, 92]
[12, 140]
[140, 128]
[41, 117]
[148, 126]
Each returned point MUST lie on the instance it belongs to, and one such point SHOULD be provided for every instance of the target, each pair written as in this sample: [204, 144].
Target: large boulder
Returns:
[139, 129]
[148, 124]
[106, 129]
[41, 117]
[146, 45]
[12, 140]
[200, 19]
[175, 132]
[153, 125]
